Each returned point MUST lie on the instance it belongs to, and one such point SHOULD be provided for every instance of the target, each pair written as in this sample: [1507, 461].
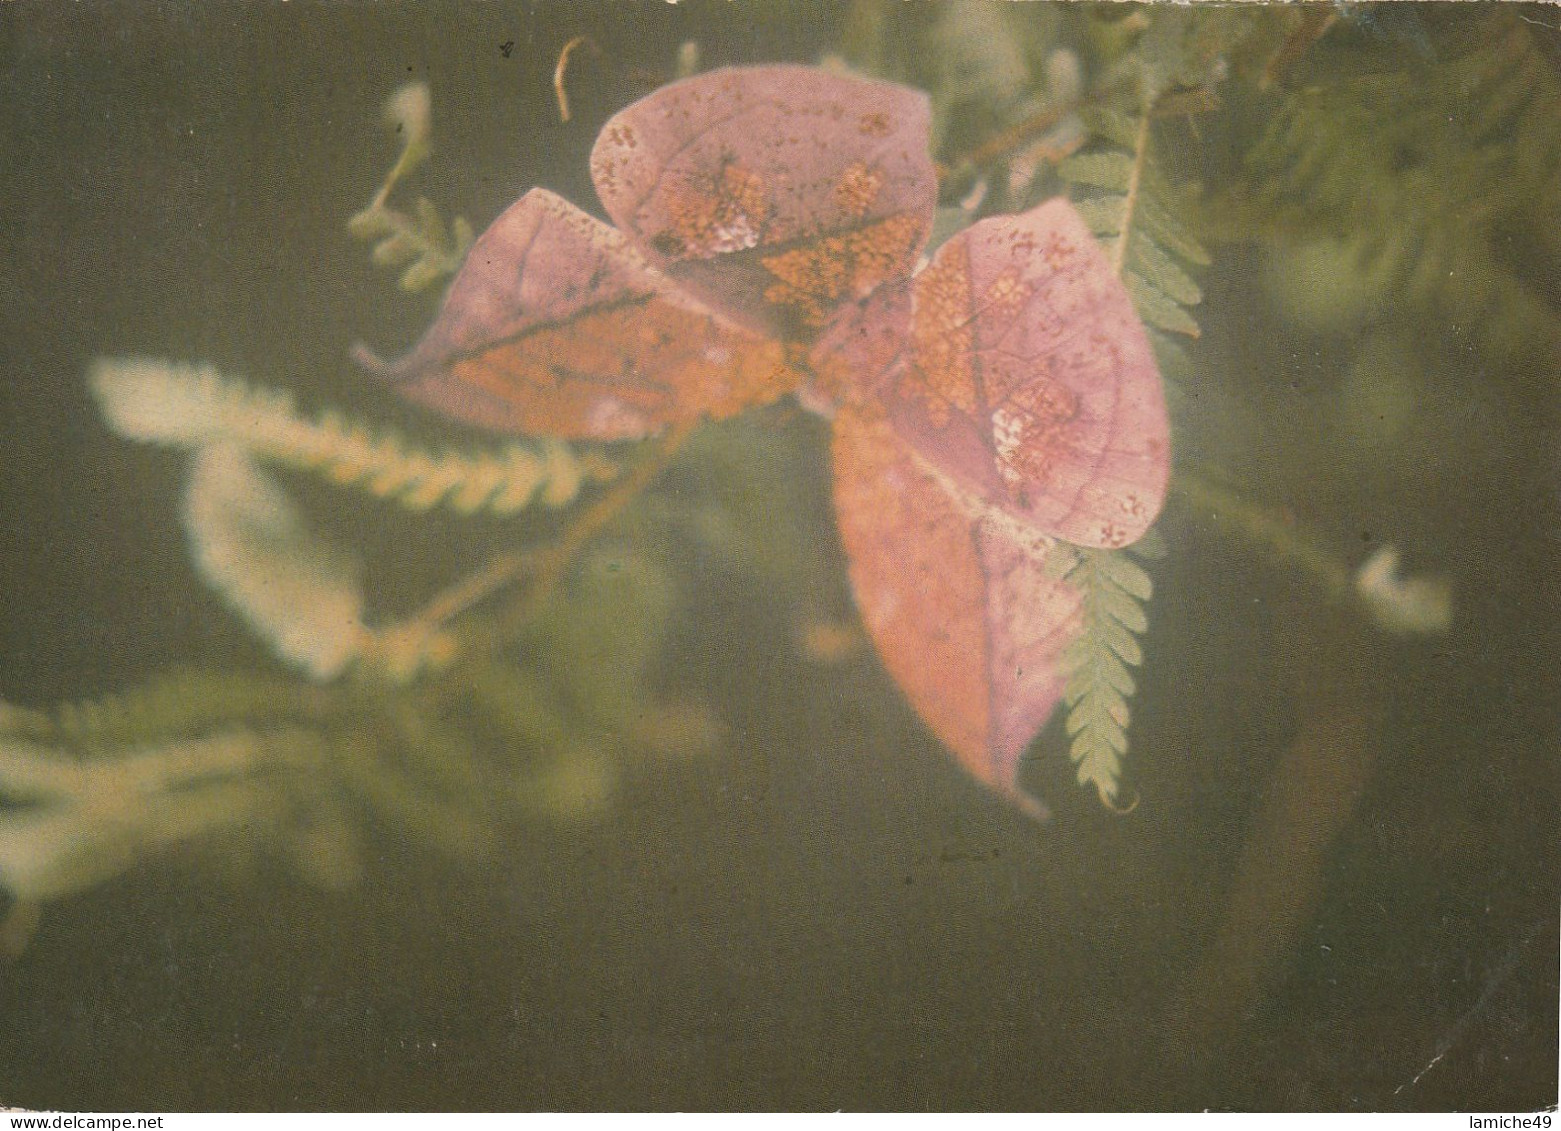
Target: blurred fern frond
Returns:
[299, 592]
[546, 728]
[191, 406]
[418, 240]
[179, 703]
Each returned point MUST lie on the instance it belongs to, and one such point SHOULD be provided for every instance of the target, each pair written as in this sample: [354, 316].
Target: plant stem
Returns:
[549, 566]
[1288, 541]
[1135, 182]
[544, 567]
[1006, 141]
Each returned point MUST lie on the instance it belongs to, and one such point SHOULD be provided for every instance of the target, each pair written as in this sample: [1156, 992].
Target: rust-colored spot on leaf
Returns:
[725, 217]
[943, 372]
[858, 188]
[874, 124]
[814, 279]
[1006, 292]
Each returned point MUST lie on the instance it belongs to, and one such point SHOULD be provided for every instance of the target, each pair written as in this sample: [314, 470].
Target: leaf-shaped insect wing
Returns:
[556, 326]
[1030, 382]
[957, 598]
[777, 193]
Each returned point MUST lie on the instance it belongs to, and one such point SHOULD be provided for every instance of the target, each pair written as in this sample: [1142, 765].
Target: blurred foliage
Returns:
[417, 241]
[1123, 195]
[547, 725]
[1418, 185]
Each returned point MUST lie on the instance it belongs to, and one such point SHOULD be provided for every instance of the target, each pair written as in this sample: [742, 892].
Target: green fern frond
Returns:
[1131, 208]
[1129, 205]
[298, 591]
[1096, 665]
[1186, 47]
[191, 406]
[89, 789]
[1474, 131]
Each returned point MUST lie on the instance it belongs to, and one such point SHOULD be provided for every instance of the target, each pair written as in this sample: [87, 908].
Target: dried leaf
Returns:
[1003, 399]
[776, 194]
[956, 599]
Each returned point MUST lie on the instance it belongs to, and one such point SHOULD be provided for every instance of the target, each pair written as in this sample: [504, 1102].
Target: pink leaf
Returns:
[776, 193]
[556, 326]
[956, 597]
[1030, 382]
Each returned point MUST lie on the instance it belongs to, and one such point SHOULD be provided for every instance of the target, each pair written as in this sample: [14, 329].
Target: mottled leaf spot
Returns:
[1057, 252]
[944, 373]
[723, 218]
[1029, 432]
[1113, 536]
[874, 124]
[1006, 293]
[858, 188]
[813, 279]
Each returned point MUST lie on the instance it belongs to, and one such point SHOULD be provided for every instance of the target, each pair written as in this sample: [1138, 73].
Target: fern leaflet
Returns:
[1126, 200]
[417, 240]
[1430, 200]
[1123, 196]
[1096, 665]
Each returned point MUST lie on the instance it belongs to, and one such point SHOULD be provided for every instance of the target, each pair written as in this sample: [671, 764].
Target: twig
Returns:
[549, 566]
[1009, 139]
[1134, 184]
[544, 567]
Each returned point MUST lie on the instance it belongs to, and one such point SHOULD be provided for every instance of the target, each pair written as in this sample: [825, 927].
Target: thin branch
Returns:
[545, 567]
[549, 566]
[1134, 183]
[1258, 524]
[1008, 140]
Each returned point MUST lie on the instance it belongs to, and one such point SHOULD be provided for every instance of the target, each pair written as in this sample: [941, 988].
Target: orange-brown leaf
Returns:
[556, 326]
